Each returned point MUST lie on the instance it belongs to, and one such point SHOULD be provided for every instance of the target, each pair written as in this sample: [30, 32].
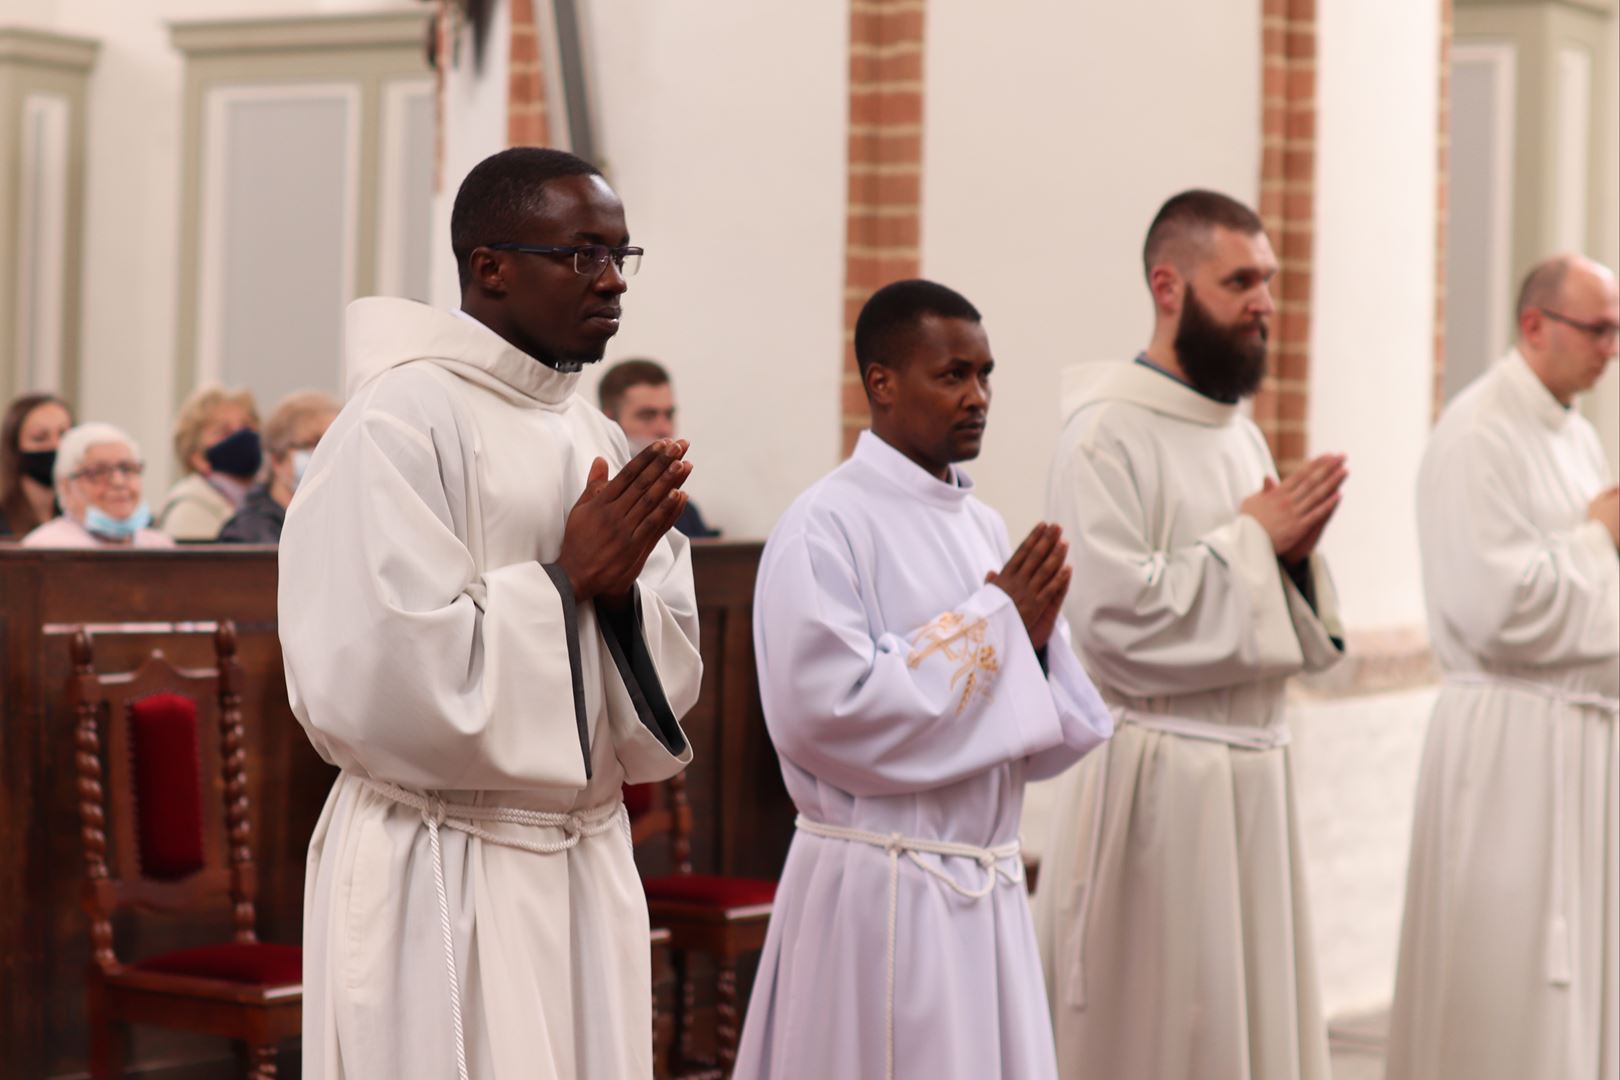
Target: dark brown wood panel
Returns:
[743, 816]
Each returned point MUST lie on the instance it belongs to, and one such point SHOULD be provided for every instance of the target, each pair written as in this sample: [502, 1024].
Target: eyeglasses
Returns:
[100, 474]
[589, 259]
[1597, 331]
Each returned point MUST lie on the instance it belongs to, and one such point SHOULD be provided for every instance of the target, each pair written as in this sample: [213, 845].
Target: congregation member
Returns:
[290, 435]
[639, 396]
[1171, 907]
[98, 482]
[216, 441]
[33, 426]
[915, 671]
[490, 628]
[1510, 952]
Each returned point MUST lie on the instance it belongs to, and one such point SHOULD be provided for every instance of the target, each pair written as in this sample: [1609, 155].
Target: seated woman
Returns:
[216, 439]
[32, 427]
[98, 482]
[289, 437]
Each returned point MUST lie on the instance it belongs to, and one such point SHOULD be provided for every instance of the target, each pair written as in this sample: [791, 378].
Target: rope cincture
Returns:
[895, 845]
[437, 814]
[1560, 945]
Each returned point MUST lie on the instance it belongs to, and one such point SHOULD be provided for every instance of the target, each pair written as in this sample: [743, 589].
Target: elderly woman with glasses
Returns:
[98, 482]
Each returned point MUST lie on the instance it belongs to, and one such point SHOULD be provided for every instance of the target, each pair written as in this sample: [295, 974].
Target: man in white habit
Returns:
[1510, 952]
[1172, 909]
[913, 677]
[489, 629]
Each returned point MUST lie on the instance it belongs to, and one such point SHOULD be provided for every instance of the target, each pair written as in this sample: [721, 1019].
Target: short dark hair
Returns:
[1177, 225]
[502, 193]
[1543, 284]
[619, 378]
[897, 308]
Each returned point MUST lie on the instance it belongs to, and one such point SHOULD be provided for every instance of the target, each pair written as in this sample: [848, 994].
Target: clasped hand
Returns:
[1037, 579]
[616, 523]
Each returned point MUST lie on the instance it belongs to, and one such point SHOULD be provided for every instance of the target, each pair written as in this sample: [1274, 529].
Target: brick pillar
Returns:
[526, 123]
[1442, 209]
[1287, 204]
[883, 215]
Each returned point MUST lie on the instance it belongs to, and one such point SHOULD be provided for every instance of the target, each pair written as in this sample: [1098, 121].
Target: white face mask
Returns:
[300, 462]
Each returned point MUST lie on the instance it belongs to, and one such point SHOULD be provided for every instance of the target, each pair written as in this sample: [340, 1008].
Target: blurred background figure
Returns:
[29, 434]
[216, 440]
[639, 396]
[98, 482]
[295, 426]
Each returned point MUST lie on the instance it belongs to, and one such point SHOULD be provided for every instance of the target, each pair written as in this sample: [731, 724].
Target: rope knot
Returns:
[896, 844]
[987, 859]
[433, 813]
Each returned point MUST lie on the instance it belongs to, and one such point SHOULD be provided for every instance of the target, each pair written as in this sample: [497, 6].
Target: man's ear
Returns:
[1167, 286]
[1532, 327]
[880, 385]
[488, 271]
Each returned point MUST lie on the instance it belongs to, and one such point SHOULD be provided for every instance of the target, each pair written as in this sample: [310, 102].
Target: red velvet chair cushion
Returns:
[168, 785]
[638, 799]
[710, 890]
[258, 963]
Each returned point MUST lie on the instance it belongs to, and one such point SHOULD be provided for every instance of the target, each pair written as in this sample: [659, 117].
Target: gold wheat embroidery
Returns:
[962, 643]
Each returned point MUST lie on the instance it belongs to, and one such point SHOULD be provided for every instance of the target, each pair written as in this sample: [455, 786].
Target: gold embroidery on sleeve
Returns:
[962, 643]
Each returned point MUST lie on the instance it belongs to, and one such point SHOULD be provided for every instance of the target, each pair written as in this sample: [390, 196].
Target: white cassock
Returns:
[431, 651]
[905, 702]
[1172, 910]
[1510, 952]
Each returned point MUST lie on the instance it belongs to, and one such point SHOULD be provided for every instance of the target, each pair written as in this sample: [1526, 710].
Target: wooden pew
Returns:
[744, 817]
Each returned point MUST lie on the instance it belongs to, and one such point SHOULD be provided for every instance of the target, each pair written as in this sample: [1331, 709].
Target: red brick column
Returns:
[883, 215]
[526, 123]
[1288, 206]
[1442, 209]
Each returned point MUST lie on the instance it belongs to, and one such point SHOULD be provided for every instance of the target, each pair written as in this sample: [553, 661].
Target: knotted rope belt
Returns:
[1559, 943]
[896, 845]
[437, 814]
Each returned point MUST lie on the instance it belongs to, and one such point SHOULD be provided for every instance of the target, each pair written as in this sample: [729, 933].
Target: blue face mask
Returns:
[100, 523]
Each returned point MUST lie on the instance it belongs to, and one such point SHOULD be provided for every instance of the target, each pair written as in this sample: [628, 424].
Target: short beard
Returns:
[1221, 362]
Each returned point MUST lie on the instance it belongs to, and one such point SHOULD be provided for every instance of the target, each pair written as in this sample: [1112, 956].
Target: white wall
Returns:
[1603, 404]
[1046, 154]
[1372, 337]
[722, 125]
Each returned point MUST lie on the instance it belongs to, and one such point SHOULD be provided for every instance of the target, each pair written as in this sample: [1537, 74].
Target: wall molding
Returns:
[406, 27]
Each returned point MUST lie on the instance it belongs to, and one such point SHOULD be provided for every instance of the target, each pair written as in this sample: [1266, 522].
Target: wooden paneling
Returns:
[743, 816]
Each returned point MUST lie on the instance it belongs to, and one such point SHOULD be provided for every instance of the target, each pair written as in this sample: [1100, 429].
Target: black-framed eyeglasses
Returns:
[1597, 331]
[589, 259]
[100, 474]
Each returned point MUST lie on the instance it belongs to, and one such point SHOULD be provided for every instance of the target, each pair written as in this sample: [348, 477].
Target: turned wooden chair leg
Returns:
[106, 1038]
[685, 1004]
[660, 1019]
[725, 1012]
[262, 1062]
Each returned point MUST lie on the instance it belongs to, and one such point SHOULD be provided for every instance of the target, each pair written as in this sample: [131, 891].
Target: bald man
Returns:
[1510, 954]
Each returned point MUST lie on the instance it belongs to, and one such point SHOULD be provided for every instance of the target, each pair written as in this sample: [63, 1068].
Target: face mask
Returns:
[238, 455]
[300, 462]
[38, 465]
[104, 525]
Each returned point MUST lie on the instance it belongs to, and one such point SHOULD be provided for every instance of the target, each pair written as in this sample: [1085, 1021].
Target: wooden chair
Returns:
[144, 752]
[723, 917]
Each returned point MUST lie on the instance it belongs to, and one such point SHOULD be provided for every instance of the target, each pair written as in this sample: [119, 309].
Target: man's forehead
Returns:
[648, 394]
[1230, 249]
[580, 204]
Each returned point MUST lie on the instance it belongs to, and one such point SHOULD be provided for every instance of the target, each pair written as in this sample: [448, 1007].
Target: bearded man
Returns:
[1171, 910]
